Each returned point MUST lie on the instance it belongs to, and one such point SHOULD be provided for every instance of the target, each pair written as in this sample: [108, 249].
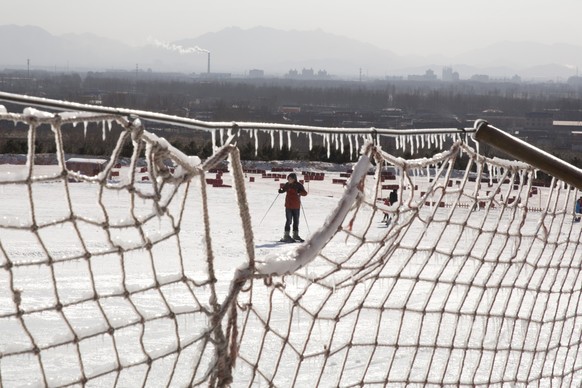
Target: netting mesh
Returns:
[472, 283]
[107, 280]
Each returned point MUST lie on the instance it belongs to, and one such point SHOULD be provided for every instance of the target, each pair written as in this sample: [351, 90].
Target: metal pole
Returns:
[527, 153]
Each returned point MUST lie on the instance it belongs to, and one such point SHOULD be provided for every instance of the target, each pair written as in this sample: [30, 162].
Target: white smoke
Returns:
[177, 48]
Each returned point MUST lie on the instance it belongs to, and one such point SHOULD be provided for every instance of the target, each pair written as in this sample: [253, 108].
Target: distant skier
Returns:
[391, 200]
[393, 197]
[295, 191]
[386, 218]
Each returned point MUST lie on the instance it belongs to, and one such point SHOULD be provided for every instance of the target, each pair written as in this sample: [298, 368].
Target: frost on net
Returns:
[121, 276]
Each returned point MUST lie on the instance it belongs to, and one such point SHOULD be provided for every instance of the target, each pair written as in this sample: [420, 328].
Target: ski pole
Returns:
[305, 218]
[267, 212]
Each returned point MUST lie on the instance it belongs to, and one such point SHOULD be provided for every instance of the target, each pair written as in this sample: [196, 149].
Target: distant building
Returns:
[538, 130]
[289, 109]
[449, 75]
[429, 75]
[256, 73]
[307, 74]
[571, 131]
[539, 120]
[576, 141]
[215, 75]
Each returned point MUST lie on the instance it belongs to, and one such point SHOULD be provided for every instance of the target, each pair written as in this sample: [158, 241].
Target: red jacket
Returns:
[294, 193]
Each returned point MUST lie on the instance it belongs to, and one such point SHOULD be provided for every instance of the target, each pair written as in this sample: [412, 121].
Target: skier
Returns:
[386, 218]
[295, 191]
[393, 197]
[391, 200]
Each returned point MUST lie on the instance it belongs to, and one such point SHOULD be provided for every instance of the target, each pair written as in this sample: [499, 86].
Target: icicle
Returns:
[289, 139]
[256, 135]
[328, 140]
[213, 133]
[221, 137]
[357, 143]
[422, 138]
[397, 142]
[109, 125]
[412, 150]
[310, 141]
[341, 143]
[103, 129]
[351, 146]
[280, 139]
[85, 123]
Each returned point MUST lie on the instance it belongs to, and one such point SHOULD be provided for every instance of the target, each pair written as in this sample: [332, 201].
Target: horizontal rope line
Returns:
[204, 125]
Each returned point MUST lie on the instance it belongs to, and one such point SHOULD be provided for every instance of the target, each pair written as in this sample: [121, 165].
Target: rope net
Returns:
[118, 280]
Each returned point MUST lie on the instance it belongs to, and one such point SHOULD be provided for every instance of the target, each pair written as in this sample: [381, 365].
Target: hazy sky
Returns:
[403, 26]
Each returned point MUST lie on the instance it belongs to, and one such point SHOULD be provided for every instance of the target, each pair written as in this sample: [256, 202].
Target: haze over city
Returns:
[418, 27]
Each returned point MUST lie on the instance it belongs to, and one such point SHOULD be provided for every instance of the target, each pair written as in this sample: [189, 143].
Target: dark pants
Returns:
[291, 215]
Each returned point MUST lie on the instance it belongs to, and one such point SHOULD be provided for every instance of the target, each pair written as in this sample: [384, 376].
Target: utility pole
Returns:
[136, 74]
[28, 80]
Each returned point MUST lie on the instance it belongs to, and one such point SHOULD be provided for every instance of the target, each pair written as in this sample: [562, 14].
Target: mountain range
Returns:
[276, 52]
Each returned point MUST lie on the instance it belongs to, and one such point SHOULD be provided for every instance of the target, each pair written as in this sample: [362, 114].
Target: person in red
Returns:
[295, 191]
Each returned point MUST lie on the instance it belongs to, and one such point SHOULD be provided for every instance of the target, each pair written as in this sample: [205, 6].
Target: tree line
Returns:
[261, 100]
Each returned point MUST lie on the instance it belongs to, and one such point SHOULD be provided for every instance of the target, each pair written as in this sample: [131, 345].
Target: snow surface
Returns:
[35, 282]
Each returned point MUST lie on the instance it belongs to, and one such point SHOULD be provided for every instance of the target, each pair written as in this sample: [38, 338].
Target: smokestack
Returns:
[209, 62]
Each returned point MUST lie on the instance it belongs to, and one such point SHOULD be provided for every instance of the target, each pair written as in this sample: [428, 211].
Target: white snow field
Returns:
[165, 282]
